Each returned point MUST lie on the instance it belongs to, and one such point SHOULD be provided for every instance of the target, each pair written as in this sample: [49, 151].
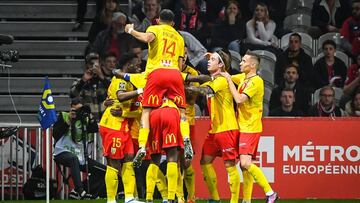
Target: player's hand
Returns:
[128, 27]
[108, 102]
[226, 75]
[116, 112]
[188, 150]
[141, 153]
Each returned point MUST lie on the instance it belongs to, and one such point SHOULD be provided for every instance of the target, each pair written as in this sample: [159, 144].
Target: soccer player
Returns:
[165, 136]
[222, 139]
[166, 52]
[189, 173]
[249, 100]
[117, 143]
[131, 90]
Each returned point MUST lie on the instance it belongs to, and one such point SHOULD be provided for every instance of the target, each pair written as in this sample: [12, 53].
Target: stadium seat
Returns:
[336, 37]
[338, 94]
[268, 77]
[30, 48]
[298, 22]
[306, 40]
[30, 103]
[299, 6]
[267, 60]
[57, 67]
[43, 29]
[35, 85]
[341, 55]
[235, 60]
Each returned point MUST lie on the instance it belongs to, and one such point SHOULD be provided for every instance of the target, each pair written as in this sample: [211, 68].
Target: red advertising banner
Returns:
[301, 157]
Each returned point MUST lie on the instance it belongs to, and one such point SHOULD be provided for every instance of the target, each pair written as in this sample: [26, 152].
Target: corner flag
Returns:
[47, 113]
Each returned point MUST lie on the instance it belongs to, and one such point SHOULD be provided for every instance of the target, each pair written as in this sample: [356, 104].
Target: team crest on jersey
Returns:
[122, 86]
[113, 150]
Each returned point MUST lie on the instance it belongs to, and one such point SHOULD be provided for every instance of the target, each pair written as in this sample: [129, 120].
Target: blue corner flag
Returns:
[47, 113]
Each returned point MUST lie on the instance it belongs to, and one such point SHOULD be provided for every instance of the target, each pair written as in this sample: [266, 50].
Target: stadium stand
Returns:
[336, 37]
[299, 6]
[341, 55]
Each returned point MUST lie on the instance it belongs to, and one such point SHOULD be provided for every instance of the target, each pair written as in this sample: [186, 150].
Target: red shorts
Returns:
[136, 148]
[116, 143]
[249, 143]
[164, 83]
[164, 130]
[223, 144]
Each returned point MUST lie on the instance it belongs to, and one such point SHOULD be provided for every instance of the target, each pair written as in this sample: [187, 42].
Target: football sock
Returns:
[234, 181]
[260, 178]
[248, 183]
[172, 175]
[111, 182]
[128, 177]
[210, 180]
[189, 178]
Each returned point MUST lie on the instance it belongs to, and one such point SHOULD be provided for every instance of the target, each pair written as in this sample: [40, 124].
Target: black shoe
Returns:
[74, 195]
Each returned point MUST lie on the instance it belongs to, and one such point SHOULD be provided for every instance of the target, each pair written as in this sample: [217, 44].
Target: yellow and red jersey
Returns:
[250, 112]
[107, 119]
[221, 106]
[190, 99]
[165, 50]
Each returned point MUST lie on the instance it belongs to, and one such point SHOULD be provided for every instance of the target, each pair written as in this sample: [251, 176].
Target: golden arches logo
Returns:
[155, 145]
[154, 99]
[170, 138]
[47, 100]
[179, 100]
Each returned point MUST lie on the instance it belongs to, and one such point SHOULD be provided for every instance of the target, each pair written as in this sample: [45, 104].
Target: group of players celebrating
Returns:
[155, 117]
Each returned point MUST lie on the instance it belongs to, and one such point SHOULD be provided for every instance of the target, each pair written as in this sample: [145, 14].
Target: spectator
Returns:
[228, 33]
[352, 82]
[108, 65]
[329, 70]
[302, 95]
[350, 30]
[91, 89]
[81, 11]
[295, 54]
[189, 18]
[146, 14]
[114, 39]
[287, 107]
[328, 16]
[260, 31]
[137, 49]
[71, 144]
[352, 108]
[103, 19]
[195, 51]
[277, 12]
[326, 107]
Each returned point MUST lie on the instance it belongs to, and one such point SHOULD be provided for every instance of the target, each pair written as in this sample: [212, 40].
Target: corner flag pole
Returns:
[47, 143]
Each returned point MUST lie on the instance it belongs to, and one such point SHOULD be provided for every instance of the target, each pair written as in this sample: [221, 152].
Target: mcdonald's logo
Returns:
[155, 145]
[170, 138]
[179, 100]
[154, 99]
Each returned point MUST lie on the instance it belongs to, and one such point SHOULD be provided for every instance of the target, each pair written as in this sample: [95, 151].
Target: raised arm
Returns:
[146, 37]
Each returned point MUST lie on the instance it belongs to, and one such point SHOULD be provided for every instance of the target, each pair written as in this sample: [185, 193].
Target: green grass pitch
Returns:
[197, 201]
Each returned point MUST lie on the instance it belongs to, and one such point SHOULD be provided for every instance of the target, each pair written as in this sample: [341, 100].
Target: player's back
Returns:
[165, 49]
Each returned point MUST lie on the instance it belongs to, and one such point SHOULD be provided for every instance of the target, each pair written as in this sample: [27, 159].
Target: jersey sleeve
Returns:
[151, 29]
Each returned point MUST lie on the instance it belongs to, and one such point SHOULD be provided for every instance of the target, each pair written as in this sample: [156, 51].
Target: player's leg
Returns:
[172, 154]
[151, 176]
[248, 182]
[112, 179]
[234, 180]
[247, 151]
